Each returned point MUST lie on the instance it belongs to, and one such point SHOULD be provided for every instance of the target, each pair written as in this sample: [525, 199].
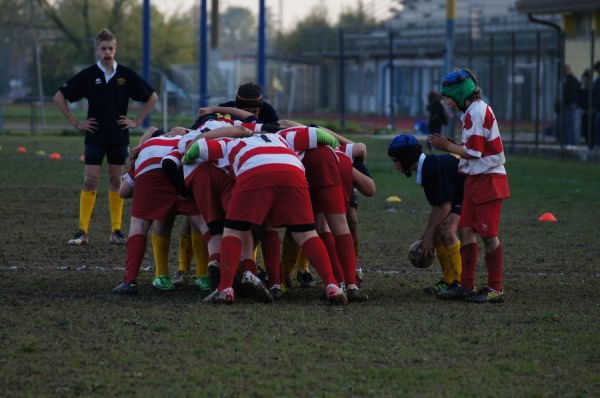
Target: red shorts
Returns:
[154, 198]
[484, 218]
[282, 204]
[211, 187]
[345, 167]
[324, 182]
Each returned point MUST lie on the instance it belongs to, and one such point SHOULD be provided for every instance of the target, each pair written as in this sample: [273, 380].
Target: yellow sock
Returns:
[453, 253]
[87, 199]
[289, 253]
[185, 252]
[200, 250]
[447, 272]
[160, 246]
[115, 205]
[301, 262]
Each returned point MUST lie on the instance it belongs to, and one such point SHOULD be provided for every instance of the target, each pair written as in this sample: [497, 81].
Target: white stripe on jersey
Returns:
[152, 152]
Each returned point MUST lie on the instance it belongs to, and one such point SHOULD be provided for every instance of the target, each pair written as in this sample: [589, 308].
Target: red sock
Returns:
[248, 264]
[493, 261]
[215, 256]
[329, 242]
[231, 250]
[316, 253]
[469, 255]
[206, 237]
[271, 249]
[136, 248]
[345, 251]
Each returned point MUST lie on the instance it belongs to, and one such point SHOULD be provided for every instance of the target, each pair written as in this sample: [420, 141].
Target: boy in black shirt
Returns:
[108, 87]
[443, 186]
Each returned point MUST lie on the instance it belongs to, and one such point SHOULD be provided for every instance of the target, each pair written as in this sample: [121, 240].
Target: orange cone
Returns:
[21, 149]
[548, 217]
[55, 156]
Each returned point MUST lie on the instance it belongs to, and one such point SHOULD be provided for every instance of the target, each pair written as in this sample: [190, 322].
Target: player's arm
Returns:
[340, 138]
[126, 188]
[235, 112]
[364, 183]
[437, 215]
[61, 103]
[127, 123]
[443, 143]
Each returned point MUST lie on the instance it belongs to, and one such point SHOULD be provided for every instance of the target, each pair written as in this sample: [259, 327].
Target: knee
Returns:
[491, 244]
[90, 183]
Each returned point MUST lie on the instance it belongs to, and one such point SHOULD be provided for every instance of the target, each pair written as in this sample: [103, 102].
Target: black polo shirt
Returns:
[441, 181]
[266, 114]
[107, 101]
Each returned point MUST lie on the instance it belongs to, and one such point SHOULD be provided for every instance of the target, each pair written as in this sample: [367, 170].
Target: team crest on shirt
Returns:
[98, 80]
[121, 81]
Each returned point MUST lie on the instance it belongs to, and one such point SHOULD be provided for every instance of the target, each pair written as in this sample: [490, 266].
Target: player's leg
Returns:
[199, 230]
[87, 197]
[352, 219]
[161, 242]
[136, 248]
[447, 248]
[116, 157]
[329, 241]
[185, 253]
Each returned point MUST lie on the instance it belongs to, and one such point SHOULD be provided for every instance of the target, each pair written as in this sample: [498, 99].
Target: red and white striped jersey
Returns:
[262, 151]
[176, 154]
[150, 156]
[481, 139]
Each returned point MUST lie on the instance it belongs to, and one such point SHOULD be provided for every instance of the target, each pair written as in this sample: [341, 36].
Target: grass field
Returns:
[64, 334]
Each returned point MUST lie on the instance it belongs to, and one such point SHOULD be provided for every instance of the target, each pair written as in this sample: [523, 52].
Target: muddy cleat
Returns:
[255, 288]
[436, 287]
[263, 276]
[126, 288]
[335, 294]
[214, 274]
[181, 278]
[454, 292]
[305, 279]
[117, 238]
[163, 283]
[487, 295]
[226, 296]
[276, 291]
[360, 277]
[80, 238]
[356, 295]
[203, 284]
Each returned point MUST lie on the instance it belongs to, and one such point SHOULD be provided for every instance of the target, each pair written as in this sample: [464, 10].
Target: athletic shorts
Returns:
[211, 187]
[115, 154]
[155, 198]
[324, 181]
[283, 205]
[484, 218]
[345, 170]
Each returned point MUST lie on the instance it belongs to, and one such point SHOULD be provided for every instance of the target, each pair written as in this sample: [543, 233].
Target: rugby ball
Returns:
[416, 256]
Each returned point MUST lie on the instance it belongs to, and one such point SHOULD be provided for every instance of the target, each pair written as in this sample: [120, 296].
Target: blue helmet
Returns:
[405, 148]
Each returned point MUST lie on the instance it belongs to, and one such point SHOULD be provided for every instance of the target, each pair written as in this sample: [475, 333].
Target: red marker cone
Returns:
[548, 217]
[21, 149]
[55, 156]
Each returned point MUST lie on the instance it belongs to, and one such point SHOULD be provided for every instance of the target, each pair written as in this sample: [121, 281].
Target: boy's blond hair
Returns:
[105, 35]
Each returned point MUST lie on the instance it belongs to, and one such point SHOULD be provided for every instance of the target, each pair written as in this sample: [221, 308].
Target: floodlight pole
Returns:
[450, 16]
[146, 50]
[260, 69]
[203, 57]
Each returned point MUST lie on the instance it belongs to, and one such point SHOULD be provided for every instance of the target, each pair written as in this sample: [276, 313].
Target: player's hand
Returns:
[439, 142]
[204, 111]
[427, 247]
[90, 125]
[127, 123]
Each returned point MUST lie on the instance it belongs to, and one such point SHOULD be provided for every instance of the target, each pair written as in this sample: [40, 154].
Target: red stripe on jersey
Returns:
[215, 150]
[235, 150]
[148, 162]
[301, 137]
[493, 147]
[476, 143]
[159, 142]
[467, 124]
[263, 150]
[489, 120]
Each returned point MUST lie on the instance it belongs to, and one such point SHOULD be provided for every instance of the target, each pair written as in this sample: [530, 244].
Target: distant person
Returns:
[250, 98]
[437, 114]
[583, 101]
[596, 107]
[569, 98]
[108, 87]
[486, 186]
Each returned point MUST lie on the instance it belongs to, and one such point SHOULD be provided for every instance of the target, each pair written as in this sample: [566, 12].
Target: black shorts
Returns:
[354, 198]
[115, 154]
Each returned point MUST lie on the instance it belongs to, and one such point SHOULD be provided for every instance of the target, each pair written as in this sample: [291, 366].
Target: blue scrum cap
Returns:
[403, 141]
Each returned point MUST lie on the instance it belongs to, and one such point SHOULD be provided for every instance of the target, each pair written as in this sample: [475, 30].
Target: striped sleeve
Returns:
[300, 138]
